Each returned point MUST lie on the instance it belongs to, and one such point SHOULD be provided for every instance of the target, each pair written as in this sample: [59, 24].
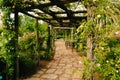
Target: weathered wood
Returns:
[89, 48]
[63, 27]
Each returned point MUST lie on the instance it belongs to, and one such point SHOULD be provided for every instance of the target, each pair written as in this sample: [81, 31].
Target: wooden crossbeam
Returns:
[64, 27]
[60, 18]
[83, 11]
[36, 5]
[55, 14]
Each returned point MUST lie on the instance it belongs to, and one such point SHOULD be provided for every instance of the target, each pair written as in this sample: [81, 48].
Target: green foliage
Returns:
[28, 56]
[7, 45]
[110, 63]
[27, 65]
[27, 24]
[102, 24]
[87, 68]
[27, 43]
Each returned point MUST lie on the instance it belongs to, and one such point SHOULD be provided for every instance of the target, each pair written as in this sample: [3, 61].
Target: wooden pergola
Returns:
[55, 12]
[58, 13]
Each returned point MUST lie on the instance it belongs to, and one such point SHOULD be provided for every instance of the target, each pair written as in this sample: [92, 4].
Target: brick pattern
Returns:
[66, 65]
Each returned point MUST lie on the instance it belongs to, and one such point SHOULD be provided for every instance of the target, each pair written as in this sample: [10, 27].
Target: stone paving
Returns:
[66, 65]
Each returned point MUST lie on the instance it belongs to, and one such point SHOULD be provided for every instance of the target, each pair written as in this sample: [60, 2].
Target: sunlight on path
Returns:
[66, 65]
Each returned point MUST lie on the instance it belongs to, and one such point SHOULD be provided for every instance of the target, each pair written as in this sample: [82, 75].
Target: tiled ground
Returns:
[66, 65]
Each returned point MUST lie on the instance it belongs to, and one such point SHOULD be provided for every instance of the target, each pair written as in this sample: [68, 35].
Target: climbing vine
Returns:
[7, 44]
[96, 37]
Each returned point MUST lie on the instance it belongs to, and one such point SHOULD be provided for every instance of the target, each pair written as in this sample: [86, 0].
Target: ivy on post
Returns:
[90, 38]
[16, 57]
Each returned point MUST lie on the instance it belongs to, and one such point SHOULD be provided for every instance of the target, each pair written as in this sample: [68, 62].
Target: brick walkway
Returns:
[66, 65]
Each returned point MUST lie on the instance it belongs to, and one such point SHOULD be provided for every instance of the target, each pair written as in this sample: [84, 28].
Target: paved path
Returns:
[66, 65]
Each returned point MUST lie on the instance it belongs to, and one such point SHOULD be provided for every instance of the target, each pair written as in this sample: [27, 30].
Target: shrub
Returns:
[27, 66]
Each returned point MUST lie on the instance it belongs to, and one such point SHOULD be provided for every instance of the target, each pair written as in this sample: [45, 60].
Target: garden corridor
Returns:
[66, 65]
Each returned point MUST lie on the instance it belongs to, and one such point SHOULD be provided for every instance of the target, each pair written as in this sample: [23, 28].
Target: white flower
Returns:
[8, 50]
[107, 61]
[12, 48]
[99, 16]
[98, 65]
[80, 62]
[102, 48]
[117, 71]
[116, 32]
[19, 37]
[108, 7]
[2, 34]
[9, 39]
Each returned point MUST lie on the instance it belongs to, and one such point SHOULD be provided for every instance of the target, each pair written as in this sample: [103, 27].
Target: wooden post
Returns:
[90, 40]
[37, 41]
[16, 64]
[72, 37]
[65, 35]
[49, 37]
[48, 55]
[89, 48]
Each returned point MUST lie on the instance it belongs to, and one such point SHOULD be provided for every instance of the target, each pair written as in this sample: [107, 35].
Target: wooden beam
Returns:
[33, 5]
[36, 6]
[58, 18]
[63, 27]
[49, 12]
[82, 11]
[66, 1]
[28, 14]
[35, 16]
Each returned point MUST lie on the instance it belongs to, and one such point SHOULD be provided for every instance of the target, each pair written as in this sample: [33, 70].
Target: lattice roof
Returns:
[56, 12]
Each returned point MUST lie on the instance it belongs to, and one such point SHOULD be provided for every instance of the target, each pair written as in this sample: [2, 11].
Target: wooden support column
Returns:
[16, 58]
[72, 37]
[89, 39]
[65, 35]
[37, 41]
[49, 43]
[72, 32]
[89, 48]
[49, 35]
